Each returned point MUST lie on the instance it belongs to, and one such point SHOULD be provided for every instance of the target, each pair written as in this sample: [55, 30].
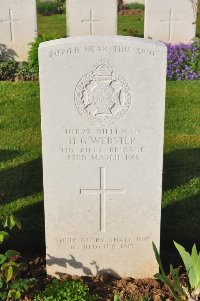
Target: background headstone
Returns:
[102, 103]
[91, 17]
[18, 27]
[171, 21]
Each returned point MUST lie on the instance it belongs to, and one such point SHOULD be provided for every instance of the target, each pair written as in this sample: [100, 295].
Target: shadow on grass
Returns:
[181, 223]
[21, 181]
[180, 166]
[180, 220]
[7, 155]
[31, 238]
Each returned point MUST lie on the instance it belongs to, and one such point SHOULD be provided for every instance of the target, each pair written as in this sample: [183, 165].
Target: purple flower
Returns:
[183, 61]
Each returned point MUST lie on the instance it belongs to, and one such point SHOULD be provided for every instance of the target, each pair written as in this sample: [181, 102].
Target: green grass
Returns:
[55, 24]
[134, 6]
[20, 159]
[181, 178]
[127, 25]
[21, 167]
[20, 153]
[131, 26]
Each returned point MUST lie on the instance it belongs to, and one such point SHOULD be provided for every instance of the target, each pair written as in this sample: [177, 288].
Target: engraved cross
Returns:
[91, 21]
[102, 192]
[11, 22]
[170, 21]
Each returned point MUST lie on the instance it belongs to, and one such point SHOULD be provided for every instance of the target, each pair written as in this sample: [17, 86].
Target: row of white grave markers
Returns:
[172, 21]
[18, 28]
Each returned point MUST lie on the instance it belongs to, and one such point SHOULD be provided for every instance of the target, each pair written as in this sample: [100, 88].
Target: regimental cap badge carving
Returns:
[103, 72]
[102, 96]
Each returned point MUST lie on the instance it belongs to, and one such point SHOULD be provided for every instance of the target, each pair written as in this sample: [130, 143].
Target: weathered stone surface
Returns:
[91, 17]
[171, 21]
[102, 102]
[18, 28]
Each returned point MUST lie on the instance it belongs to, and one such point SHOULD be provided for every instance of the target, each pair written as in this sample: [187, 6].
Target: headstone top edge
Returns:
[100, 38]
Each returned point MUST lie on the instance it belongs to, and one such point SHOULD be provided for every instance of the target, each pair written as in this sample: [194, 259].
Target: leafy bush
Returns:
[183, 61]
[11, 286]
[50, 7]
[25, 72]
[8, 70]
[12, 71]
[65, 291]
[33, 52]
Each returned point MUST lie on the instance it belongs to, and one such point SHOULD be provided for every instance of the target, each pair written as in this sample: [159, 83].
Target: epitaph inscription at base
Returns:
[102, 105]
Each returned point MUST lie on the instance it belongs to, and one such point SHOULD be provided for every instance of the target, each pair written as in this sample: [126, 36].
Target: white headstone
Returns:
[18, 27]
[171, 21]
[91, 17]
[102, 102]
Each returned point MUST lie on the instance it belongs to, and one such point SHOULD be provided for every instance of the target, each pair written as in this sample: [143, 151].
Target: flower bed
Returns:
[183, 61]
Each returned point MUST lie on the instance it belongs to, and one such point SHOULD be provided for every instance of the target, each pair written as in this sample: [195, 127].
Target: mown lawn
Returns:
[21, 166]
[55, 25]
[127, 25]
[21, 163]
[20, 160]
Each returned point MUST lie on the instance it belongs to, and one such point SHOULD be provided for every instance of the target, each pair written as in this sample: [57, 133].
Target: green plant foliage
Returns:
[50, 7]
[8, 70]
[118, 298]
[175, 285]
[25, 72]
[15, 71]
[134, 6]
[33, 53]
[11, 288]
[192, 265]
[65, 291]
[11, 221]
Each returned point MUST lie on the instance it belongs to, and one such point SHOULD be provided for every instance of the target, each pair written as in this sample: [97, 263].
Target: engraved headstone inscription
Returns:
[171, 21]
[91, 17]
[18, 28]
[102, 107]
